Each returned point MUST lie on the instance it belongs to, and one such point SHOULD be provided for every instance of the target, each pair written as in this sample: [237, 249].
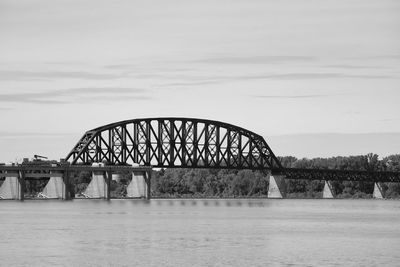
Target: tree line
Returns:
[246, 183]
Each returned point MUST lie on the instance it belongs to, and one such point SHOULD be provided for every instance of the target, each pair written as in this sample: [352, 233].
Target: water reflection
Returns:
[207, 202]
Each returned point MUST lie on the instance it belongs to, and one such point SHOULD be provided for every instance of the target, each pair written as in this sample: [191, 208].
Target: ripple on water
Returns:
[198, 232]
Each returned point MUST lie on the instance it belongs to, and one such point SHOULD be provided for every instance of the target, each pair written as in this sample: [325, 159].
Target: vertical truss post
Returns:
[171, 142]
[250, 155]
[136, 142]
[159, 143]
[195, 145]
[206, 144]
[217, 145]
[183, 144]
[110, 146]
[240, 154]
[98, 149]
[228, 147]
[123, 144]
[148, 142]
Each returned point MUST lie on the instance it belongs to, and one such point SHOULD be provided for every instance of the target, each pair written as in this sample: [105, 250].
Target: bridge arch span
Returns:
[175, 142]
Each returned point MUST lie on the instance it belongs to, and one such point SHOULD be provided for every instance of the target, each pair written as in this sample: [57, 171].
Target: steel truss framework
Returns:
[195, 143]
[175, 142]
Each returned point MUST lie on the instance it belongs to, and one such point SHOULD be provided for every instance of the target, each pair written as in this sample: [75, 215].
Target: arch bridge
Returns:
[168, 143]
[173, 142]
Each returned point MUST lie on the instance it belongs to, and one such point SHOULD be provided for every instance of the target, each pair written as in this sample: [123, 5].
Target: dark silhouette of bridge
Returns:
[196, 143]
[136, 146]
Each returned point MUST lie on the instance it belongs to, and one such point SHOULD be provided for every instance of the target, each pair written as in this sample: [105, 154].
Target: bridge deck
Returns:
[39, 172]
[290, 173]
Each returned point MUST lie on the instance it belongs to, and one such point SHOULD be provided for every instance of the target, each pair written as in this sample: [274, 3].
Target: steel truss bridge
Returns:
[195, 143]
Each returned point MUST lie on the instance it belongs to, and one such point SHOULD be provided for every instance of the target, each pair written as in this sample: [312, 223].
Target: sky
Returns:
[314, 78]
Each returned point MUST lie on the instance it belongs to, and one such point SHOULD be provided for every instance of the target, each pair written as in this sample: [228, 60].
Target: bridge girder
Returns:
[342, 175]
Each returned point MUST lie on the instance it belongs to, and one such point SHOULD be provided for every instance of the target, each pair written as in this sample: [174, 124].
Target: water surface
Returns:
[200, 233]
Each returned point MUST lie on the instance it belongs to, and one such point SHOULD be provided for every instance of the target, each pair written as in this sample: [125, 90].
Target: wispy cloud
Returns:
[288, 96]
[65, 63]
[310, 75]
[255, 59]
[348, 66]
[18, 75]
[13, 134]
[75, 95]
[393, 57]
[192, 80]
[121, 66]
[193, 83]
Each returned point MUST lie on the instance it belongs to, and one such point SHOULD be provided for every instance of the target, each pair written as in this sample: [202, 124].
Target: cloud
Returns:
[18, 75]
[256, 59]
[184, 80]
[310, 75]
[65, 63]
[346, 66]
[8, 134]
[194, 83]
[393, 57]
[75, 95]
[121, 66]
[288, 96]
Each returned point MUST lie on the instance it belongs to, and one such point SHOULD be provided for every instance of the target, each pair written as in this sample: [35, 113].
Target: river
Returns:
[210, 232]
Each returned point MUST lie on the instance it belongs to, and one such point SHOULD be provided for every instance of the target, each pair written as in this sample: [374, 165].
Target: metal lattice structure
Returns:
[195, 143]
[175, 142]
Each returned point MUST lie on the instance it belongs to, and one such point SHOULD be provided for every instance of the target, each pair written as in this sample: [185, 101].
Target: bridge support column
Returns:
[56, 186]
[99, 185]
[328, 190]
[277, 186]
[139, 187]
[12, 186]
[378, 192]
[67, 187]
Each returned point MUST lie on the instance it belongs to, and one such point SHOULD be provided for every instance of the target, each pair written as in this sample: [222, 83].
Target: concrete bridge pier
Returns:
[99, 186]
[378, 192]
[328, 190]
[277, 186]
[57, 186]
[139, 187]
[12, 187]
